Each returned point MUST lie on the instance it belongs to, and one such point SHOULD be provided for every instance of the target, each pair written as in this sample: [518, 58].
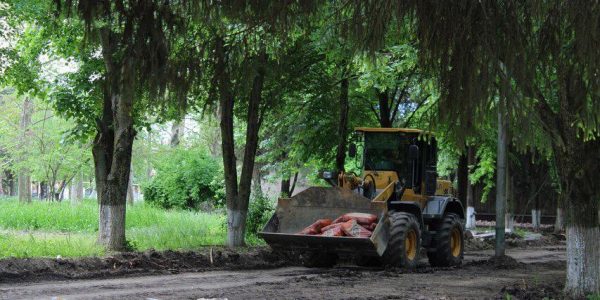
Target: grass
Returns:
[48, 244]
[51, 229]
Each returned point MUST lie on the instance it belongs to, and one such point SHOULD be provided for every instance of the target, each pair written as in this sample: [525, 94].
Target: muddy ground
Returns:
[532, 272]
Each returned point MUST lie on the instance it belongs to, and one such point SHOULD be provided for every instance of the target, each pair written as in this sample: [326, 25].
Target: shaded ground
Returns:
[134, 263]
[533, 273]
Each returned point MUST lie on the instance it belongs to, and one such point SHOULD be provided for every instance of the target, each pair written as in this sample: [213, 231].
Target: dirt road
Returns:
[541, 268]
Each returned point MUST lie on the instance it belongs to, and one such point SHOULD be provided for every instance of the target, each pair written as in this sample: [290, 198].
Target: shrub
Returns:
[185, 178]
[260, 210]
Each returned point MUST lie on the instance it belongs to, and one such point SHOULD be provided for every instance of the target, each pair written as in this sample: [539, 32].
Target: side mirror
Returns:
[352, 150]
[413, 152]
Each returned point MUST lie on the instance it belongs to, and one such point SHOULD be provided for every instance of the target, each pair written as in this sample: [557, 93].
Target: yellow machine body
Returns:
[377, 190]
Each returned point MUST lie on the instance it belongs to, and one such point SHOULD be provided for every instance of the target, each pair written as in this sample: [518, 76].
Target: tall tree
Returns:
[340, 157]
[135, 39]
[501, 166]
[470, 201]
[24, 172]
[238, 193]
[545, 50]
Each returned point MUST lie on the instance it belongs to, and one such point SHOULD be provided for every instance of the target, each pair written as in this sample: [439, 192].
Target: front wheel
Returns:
[448, 244]
[405, 241]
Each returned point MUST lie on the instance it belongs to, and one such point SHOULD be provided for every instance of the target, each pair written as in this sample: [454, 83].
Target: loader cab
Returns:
[390, 154]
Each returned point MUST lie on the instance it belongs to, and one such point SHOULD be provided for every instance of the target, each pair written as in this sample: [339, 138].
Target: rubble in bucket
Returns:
[360, 225]
[315, 228]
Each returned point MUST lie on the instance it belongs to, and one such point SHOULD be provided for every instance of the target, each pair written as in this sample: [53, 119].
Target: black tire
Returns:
[319, 260]
[400, 252]
[445, 251]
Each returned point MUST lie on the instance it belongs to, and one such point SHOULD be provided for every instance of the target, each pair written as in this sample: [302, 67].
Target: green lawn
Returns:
[51, 229]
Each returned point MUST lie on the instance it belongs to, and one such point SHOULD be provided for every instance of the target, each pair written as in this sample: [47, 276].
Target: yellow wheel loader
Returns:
[399, 185]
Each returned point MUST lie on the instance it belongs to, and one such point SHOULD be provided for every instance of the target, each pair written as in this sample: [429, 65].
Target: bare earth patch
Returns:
[529, 273]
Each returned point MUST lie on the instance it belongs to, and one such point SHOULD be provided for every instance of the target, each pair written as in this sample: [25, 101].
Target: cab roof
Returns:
[405, 130]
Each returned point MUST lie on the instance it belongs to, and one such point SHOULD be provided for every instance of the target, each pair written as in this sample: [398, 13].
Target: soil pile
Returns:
[147, 262]
[503, 262]
[513, 241]
[477, 244]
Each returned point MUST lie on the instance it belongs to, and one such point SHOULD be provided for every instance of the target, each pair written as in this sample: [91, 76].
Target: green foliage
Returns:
[260, 211]
[484, 170]
[593, 297]
[43, 148]
[185, 179]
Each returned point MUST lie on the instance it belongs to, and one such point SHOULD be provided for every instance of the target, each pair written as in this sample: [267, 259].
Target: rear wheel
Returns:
[448, 243]
[404, 244]
[319, 260]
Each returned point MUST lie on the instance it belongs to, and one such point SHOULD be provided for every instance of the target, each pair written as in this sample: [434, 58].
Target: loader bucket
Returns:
[295, 213]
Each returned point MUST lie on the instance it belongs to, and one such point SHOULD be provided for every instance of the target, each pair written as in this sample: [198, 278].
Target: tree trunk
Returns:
[559, 224]
[385, 119]
[1, 182]
[77, 196]
[148, 163]
[510, 201]
[43, 190]
[536, 212]
[293, 187]
[24, 186]
[24, 173]
[470, 201]
[257, 180]
[10, 183]
[583, 261]
[237, 197]
[462, 177]
[176, 133]
[12, 190]
[340, 157]
[578, 169]
[253, 123]
[61, 191]
[112, 151]
[285, 187]
[235, 221]
[501, 182]
[130, 198]
[536, 218]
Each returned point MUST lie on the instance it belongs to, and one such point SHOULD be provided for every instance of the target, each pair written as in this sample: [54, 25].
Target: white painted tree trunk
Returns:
[559, 224]
[583, 260]
[176, 133]
[510, 222]
[471, 222]
[112, 225]
[536, 217]
[236, 223]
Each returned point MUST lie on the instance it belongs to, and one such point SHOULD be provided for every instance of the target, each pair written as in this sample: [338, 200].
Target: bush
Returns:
[187, 179]
[260, 211]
